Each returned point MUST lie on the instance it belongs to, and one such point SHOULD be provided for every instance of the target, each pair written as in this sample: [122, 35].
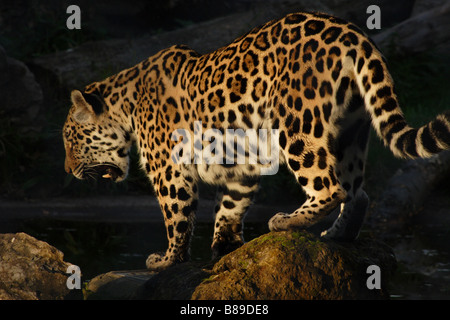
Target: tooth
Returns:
[107, 176]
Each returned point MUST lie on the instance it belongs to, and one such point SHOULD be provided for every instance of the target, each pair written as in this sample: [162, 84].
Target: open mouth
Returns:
[107, 170]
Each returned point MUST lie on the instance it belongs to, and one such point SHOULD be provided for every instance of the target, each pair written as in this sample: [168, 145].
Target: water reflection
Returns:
[99, 247]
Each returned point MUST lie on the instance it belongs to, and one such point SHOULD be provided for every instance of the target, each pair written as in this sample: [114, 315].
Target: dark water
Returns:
[99, 247]
[423, 254]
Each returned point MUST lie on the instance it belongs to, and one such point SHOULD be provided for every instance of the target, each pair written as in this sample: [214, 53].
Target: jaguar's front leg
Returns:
[232, 203]
[178, 198]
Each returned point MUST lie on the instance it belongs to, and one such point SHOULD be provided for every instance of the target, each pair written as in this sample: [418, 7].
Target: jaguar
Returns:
[315, 79]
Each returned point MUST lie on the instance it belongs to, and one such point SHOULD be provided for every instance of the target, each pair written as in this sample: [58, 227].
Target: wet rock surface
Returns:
[31, 269]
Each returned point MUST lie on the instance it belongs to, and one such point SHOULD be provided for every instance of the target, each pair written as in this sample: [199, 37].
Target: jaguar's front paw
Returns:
[279, 222]
[158, 262]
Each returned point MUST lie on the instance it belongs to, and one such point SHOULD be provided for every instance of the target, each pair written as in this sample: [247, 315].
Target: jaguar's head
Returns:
[95, 143]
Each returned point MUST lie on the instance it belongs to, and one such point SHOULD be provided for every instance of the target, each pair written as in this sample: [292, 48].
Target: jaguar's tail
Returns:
[376, 85]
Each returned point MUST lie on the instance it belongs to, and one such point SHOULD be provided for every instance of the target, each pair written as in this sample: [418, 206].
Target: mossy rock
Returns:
[276, 265]
[31, 269]
[299, 265]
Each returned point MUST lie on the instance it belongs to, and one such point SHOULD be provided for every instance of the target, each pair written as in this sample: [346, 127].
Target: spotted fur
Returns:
[316, 78]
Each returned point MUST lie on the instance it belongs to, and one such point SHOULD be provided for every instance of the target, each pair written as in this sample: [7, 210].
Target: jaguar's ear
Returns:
[87, 106]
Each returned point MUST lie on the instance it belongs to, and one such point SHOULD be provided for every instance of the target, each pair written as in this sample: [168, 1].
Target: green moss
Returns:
[85, 290]
[296, 240]
[210, 278]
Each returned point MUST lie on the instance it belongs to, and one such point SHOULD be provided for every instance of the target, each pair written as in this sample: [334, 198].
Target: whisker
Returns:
[79, 169]
[91, 174]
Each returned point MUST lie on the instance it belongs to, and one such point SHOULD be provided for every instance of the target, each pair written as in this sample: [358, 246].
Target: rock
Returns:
[298, 265]
[429, 29]
[406, 192]
[277, 265]
[421, 6]
[116, 285]
[175, 283]
[20, 94]
[31, 269]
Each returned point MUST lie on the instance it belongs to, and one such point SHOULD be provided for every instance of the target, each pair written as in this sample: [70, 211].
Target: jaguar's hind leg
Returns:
[322, 198]
[313, 165]
[348, 224]
[232, 203]
[318, 205]
[350, 170]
